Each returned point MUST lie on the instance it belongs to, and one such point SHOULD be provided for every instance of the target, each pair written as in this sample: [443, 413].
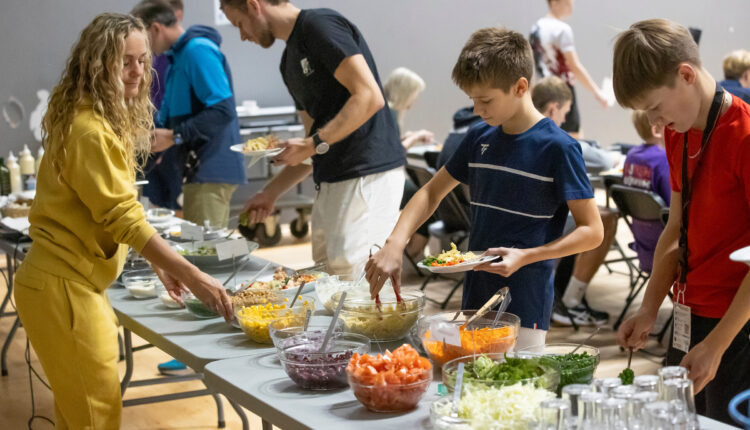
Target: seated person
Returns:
[401, 89]
[646, 167]
[463, 119]
[552, 97]
[736, 67]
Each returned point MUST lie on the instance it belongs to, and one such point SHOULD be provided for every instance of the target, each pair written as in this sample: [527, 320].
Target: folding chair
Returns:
[642, 205]
[452, 224]
[609, 182]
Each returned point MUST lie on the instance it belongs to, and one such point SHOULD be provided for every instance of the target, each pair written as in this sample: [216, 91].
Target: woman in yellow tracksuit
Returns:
[84, 217]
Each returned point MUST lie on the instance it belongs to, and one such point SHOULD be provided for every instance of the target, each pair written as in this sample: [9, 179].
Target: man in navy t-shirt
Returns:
[357, 156]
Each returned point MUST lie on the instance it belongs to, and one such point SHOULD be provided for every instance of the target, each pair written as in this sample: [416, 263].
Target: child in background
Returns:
[514, 154]
[646, 167]
[555, 55]
[736, 67]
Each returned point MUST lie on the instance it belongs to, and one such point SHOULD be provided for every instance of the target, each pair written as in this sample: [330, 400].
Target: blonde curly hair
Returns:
[94, 73]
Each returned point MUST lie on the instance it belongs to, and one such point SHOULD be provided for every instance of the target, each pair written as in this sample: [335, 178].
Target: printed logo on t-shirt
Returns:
[638, 176]
[306, 68]
[484, 147]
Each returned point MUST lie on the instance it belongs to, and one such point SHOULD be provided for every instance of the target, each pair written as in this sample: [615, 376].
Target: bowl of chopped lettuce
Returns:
[481, 407]
[575, 368]
[499, 370]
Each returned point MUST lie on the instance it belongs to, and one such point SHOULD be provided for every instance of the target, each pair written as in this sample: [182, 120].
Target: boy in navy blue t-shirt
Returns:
[524, 174]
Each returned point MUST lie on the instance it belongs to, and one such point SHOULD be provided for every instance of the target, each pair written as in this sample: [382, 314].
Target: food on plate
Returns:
[450, 258]
[390, 382]
[261, 143]
[499, 370]
[314, 370]
[200, 251]
[473, 341]
[491, 408]
[391, 320]
[626, 376]
[255, 320]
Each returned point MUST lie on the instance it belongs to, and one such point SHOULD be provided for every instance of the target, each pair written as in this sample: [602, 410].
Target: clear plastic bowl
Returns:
[313, 370]
[141, 284]
[481, 338]
[568, 374]
[167, 300]
[548, 379]
[391, 397]
[441, 421]
[392, 322]
[256, 320]
[196, 307]
[281, 330]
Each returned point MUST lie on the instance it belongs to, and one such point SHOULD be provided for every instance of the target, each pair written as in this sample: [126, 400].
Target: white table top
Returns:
[258, 383]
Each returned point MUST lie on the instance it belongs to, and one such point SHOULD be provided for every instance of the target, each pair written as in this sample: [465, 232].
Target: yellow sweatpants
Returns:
[73, 330]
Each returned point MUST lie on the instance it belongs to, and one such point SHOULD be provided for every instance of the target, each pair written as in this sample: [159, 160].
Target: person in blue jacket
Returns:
[198, 113]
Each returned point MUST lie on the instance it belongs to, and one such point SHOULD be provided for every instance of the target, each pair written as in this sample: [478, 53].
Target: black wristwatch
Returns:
[177, 137]
[321, 147]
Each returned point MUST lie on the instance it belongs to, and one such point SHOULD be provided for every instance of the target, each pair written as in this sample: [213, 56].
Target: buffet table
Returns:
[258, 383]
[193, 341]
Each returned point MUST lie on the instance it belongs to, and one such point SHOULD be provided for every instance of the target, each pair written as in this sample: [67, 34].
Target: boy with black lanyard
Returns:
[657, 69]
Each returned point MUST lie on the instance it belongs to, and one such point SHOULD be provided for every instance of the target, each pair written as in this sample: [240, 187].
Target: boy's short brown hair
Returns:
[642, 125]
[648, 55]
[550, 90]
[736, 64]
[496, 57]
[242, 4]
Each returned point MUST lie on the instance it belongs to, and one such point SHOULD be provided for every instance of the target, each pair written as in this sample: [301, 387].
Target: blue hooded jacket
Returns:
[199, 105]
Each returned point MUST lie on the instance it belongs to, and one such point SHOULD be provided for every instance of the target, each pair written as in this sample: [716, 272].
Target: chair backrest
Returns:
[637, 203]
[431, 158]
[452, 211]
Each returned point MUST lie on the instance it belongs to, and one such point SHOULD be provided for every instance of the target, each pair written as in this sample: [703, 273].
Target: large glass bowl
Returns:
[256, 320]
[573, 370]
[314, 370]
[391, 397]
[389, 323]
[281, 330]
[141, 284]
[484, 336]
[548, 374]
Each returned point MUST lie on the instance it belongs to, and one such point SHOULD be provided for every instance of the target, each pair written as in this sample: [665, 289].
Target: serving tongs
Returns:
[491, 303]
[378, 303]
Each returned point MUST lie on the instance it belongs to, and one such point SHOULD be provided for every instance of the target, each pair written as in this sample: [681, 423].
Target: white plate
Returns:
[240, 147]
[460, 267]
[741, 255]
[159, 215]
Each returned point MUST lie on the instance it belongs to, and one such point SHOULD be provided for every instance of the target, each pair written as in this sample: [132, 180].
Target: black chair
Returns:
[609, 182]
[452, 224]
[431, 159]
[642, 205]
[623, 147]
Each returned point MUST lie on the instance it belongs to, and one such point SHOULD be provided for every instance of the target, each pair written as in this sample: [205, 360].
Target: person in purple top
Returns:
[646, 167]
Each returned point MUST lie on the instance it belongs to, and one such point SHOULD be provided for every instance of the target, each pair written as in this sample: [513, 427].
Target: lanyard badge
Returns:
[681, 325]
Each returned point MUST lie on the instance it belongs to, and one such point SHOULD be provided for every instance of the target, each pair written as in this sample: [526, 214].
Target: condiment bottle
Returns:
[16, 186]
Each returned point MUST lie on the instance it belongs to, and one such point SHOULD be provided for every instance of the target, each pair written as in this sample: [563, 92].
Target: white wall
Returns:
[424, 35]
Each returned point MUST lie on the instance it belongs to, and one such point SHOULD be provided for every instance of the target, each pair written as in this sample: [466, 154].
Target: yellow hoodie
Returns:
[83, 219]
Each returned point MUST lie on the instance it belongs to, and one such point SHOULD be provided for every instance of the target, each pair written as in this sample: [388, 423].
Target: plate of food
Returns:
[263, 146]
[455, 261]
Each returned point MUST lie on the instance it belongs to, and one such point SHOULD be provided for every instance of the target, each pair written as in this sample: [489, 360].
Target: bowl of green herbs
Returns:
[498, 370]
[575, 367]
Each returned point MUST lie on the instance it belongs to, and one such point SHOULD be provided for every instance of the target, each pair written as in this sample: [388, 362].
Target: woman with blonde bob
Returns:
[401, 89]
[85, 216]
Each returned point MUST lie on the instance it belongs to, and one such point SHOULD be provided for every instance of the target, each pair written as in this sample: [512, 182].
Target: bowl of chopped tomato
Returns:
[444, 338]
[390, 382]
